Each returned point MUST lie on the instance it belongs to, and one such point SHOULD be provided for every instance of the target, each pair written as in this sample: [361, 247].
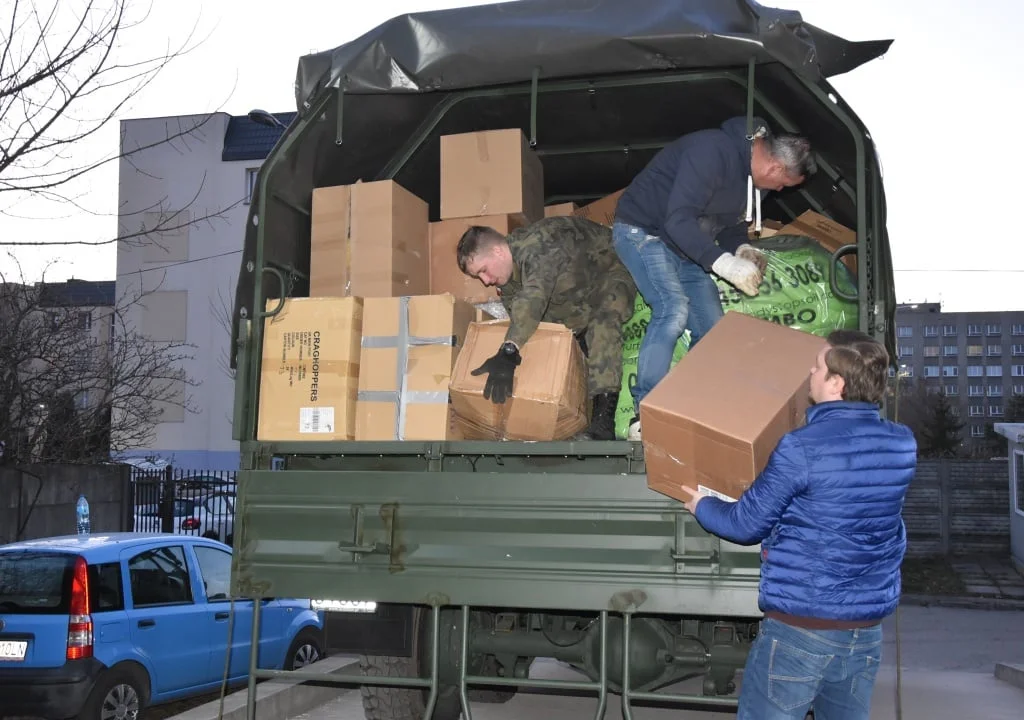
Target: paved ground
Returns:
[948, 657]
[991, 577]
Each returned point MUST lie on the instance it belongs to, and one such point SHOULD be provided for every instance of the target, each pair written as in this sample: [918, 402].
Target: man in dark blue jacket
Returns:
[827, 510]
[684, 216]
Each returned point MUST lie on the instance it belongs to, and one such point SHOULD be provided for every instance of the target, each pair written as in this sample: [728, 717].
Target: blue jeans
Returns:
[681, 295]
[790, 670]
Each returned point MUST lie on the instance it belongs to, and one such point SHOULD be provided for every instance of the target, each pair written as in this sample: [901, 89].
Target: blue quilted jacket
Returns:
[827, 510]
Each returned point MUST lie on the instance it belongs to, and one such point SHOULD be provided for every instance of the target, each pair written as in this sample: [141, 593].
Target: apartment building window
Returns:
[995, 350]
[975, 350]
[933, 389]
[975, 371]
[904, 331]
[950, 371]
[977, 410]
[931, 371]
[995, 410]
[907, 371]
[995, 390]
[250, 183]
[950, 350]
[1018, 330]
[931, 351]
[1018, 389]
[973, 330]
[952, 390]
[976, 391]
[1017, 350]
[977, 431]
[994, 370]
[931, 330]
[949, 330]
[85, 320]
[954, 411]
[993, 330]
[1017, 370]
[906, 350]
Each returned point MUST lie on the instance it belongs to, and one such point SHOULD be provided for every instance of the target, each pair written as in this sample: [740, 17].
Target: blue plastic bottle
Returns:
[82, 515]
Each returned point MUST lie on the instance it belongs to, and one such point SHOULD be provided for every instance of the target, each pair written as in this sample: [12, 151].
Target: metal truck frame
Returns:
[481, 556]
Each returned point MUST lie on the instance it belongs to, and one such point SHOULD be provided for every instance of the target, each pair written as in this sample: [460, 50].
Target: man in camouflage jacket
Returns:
[560, 269]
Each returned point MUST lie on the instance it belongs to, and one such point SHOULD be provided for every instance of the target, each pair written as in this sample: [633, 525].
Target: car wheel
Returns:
[119, 694]
[305, 650]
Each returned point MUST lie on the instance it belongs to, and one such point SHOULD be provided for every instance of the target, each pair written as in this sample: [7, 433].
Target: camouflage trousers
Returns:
[610, 307]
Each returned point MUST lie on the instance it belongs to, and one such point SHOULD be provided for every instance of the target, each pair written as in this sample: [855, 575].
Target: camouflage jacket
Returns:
[559, 267]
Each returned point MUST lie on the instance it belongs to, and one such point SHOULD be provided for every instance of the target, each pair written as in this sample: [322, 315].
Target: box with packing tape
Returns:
[713, 421]
[549, 395]
[368, 240]
[445, 275]
[310, 369]
[409, 345]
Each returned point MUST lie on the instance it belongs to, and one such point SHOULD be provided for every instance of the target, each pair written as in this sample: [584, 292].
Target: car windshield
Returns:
[35, 582]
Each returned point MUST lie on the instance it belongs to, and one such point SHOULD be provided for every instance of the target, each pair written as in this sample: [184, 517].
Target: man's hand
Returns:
[740, 272]
[501, 368]
[746, 251]
[695, 498]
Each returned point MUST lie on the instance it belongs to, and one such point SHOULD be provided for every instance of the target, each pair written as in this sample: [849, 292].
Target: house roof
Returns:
[248, 140]
[78, 293]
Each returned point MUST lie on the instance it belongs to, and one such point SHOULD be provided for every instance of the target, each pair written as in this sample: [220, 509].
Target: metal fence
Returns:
[186, 502]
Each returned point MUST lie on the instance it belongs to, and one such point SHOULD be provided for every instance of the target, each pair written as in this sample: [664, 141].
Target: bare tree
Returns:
[78, 382]
[64, 75]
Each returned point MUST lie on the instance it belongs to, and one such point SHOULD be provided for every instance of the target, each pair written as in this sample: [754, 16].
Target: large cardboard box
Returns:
[826, 231]
[409, 345]
[549, 395]
[713, 421]
[601, 211]
[494, 172]
[368, 240]
[445, 275]
[310, 370]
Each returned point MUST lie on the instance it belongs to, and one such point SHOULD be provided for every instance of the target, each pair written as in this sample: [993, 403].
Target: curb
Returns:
[966, 602]
[279, 698]
[1013, 674]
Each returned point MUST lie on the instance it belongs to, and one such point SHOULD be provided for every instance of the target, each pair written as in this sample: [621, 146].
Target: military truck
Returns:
[451, 566]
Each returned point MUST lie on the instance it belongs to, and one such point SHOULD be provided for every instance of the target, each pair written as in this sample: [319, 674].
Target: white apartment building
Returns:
[183, 198]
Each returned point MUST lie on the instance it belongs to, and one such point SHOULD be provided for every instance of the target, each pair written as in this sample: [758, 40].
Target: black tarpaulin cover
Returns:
[502, 43]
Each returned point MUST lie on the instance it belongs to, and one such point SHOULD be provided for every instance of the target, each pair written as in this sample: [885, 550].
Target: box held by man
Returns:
[713, 421]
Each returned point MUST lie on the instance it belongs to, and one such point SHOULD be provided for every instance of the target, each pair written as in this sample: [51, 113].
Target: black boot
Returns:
[602, 417]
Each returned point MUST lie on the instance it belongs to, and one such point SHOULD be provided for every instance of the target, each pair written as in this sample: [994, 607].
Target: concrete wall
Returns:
[52, 512]
[958, 507]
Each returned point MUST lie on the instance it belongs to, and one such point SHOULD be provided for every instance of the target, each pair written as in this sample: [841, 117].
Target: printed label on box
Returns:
[715, 493]
[316, 420]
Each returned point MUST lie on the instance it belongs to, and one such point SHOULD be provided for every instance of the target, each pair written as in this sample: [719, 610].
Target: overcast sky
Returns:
[942, 106]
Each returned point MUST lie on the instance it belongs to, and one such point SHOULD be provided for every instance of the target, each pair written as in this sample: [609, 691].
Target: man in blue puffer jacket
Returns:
[827, 510]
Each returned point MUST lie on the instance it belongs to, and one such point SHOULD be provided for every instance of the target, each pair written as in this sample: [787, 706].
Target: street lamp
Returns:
[264, 118]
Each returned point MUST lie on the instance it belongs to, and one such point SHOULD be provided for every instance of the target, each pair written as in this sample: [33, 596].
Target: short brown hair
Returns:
[861, 361]
[477, 238]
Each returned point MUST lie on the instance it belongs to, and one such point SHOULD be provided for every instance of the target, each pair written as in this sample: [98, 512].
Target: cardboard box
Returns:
[768, 228]
[409, 345]
[445, 276]
[368, 240]
[601, 211]
[715, 418]
[549, 398]
[560, 209]
[829, 233]
[310, 370]
[494, 172]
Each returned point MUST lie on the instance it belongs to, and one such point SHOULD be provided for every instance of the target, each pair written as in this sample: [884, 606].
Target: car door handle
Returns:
[147, 623]
[220, 616]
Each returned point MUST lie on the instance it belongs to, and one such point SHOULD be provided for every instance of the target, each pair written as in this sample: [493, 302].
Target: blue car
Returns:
[102, 626]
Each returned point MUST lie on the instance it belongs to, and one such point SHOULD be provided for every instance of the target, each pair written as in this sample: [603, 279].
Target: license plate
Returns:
[13, 649]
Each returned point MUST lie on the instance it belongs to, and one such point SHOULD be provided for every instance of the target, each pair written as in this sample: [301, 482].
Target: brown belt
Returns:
[811, 623]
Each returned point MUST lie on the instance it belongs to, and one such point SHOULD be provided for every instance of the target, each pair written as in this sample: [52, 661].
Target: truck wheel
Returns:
[391, 703]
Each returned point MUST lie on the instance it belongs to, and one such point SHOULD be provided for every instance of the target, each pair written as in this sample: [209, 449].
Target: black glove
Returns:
[501, 367]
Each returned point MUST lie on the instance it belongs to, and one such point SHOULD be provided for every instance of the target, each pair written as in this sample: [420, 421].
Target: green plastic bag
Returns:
[795, 292]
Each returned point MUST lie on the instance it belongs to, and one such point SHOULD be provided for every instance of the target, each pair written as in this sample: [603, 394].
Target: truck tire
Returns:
[391, 703]
[491, 696]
